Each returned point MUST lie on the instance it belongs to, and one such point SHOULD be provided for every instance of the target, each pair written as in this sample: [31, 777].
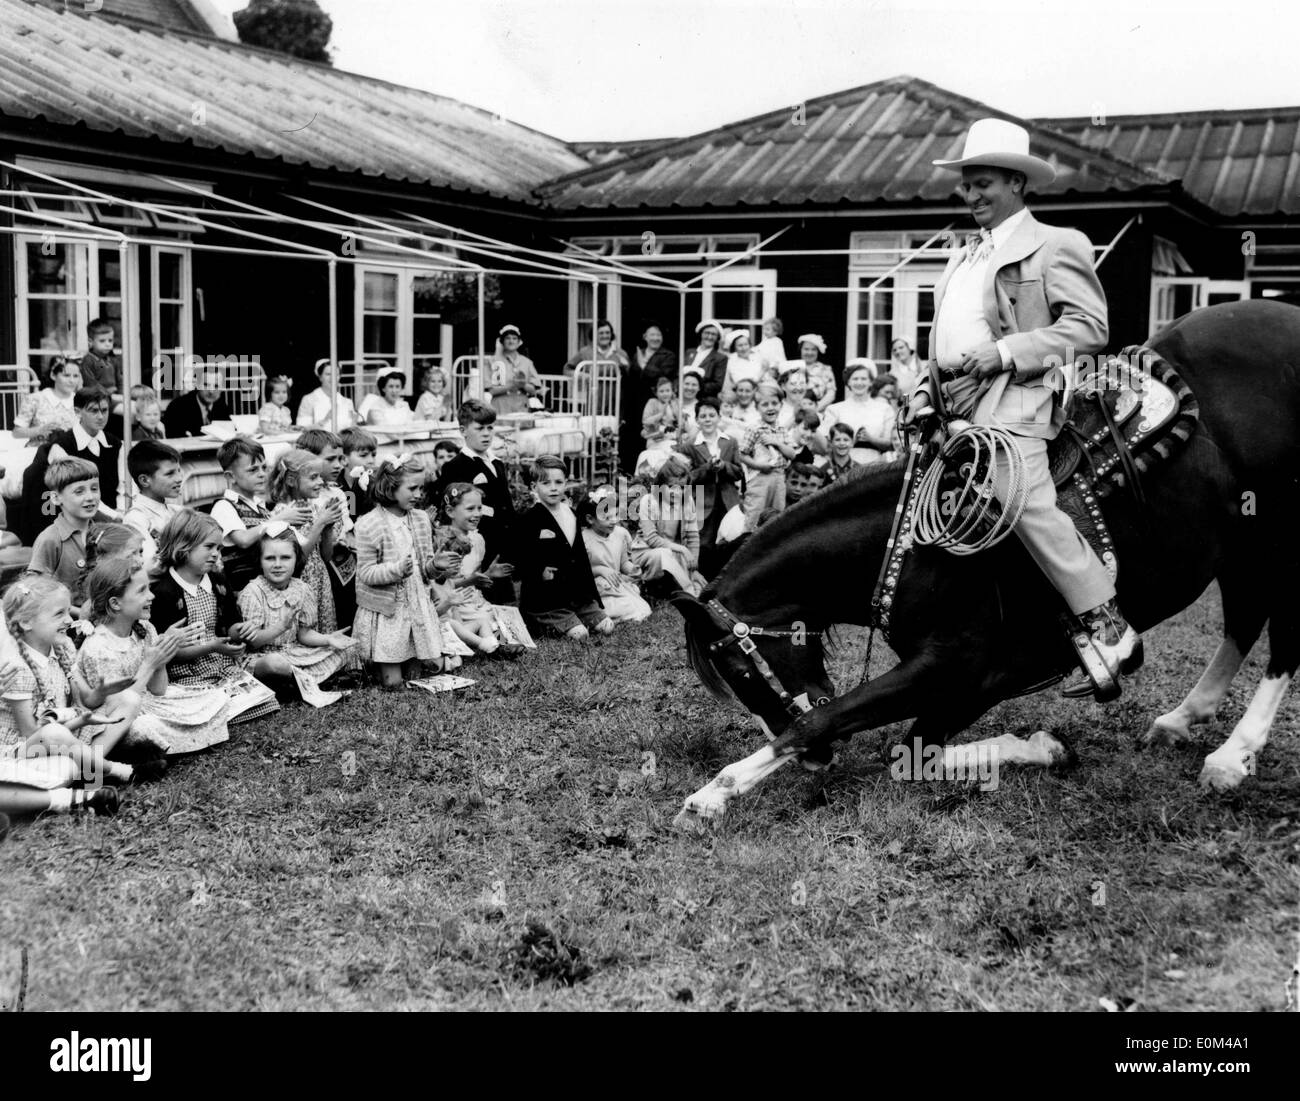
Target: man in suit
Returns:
[187, 414]
[476, 465]
[1021, 299]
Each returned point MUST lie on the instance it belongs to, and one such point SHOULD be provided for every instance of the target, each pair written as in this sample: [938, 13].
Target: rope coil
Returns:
[971, 519]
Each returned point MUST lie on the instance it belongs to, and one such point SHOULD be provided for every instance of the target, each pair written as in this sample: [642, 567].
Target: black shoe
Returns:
[1115, 645]
[103, 801]
[152, 769]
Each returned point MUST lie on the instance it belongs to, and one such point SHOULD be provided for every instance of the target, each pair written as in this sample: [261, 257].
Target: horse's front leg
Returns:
[898, 694]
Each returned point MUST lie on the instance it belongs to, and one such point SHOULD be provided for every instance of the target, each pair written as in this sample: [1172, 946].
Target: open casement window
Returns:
[398, 327]
[171, 315]
[892, 277]
[583, 315]
[740, 298]
[60, 287]
[1173, 296]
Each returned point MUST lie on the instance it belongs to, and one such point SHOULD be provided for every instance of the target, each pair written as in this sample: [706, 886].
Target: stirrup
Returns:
[1098, 680]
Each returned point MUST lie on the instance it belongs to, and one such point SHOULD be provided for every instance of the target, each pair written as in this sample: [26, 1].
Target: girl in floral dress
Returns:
[280, 612]
[473, 618]
[299, 475]
[125, 647]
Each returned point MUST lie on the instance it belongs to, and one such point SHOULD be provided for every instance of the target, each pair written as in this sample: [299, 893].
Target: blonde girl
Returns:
[185, 591]
[48, 707]
[434, 404]
[472, 617]
[298, 475]
[125, 648]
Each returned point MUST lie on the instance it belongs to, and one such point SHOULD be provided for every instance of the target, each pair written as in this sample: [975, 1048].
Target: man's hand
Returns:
[983, 361]
[918, 407]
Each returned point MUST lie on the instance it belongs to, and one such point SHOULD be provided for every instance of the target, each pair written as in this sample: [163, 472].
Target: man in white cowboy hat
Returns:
[1018, 300]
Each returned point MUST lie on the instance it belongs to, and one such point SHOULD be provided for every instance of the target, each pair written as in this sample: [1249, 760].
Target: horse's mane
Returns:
[876, 487]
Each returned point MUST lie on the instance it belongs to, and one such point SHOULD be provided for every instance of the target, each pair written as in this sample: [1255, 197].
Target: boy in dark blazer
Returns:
[476, 465]
[558, 591]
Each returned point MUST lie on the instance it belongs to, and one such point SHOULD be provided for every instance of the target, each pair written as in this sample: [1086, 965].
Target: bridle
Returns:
[742, 634]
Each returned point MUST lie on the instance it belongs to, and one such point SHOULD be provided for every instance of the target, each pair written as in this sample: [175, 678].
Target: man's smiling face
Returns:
[990, 194]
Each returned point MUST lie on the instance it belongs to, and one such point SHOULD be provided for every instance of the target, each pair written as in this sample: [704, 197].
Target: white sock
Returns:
[60, 800]
[488, 645]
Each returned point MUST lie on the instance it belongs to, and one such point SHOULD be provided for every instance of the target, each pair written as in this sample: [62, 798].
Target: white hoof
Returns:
[1166, 732]
[710, 802]
[1051, 749]
[689, 822]
[1225, 771]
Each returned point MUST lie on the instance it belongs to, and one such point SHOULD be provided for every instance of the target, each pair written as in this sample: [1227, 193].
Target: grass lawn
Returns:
[511, 846]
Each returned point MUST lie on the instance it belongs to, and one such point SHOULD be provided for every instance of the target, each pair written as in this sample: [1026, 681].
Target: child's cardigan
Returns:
[379, 569]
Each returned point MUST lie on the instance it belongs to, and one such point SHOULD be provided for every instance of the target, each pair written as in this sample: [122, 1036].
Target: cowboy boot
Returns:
[1115, 644]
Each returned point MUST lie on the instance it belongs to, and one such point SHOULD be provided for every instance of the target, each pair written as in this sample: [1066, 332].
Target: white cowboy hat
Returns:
[708, 323]
[729, 340]
[505, 329]
[1001, 144]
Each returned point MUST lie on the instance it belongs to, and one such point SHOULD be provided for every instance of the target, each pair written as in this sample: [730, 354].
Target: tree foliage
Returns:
[299, 28]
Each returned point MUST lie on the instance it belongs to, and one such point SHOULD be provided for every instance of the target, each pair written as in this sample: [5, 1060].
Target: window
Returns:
[740, 298]
[1173, 296]
[891, 291]
[582, 316]
[62, 286]
[398, 323]
[171, 317]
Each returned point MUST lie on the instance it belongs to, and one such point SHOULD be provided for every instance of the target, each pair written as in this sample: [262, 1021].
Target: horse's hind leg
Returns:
[1233, 761]
[1245, 609]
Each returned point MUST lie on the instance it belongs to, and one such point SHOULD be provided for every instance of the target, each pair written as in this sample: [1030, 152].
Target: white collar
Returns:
[699, 437]
[205, 583]
[233, 496]
[1003, 230]
[85, 440]
[489, 456]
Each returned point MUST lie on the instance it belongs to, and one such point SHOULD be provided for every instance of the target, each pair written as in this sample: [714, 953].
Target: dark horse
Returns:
[973, 631]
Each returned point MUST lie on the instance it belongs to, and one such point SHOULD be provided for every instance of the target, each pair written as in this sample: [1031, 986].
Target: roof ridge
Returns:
[904, 82]
[214, 41]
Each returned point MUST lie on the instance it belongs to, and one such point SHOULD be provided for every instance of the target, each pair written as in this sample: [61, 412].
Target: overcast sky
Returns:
[620, 69]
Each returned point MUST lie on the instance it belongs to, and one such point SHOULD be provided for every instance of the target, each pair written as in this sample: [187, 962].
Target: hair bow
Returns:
[275, 528]
[601, 492]
[396, 462]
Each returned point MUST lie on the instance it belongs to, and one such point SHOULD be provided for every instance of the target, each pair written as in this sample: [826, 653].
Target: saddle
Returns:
[1127, 414]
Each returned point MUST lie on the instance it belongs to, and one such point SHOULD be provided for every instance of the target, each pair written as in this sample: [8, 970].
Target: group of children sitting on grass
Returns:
[132, 640]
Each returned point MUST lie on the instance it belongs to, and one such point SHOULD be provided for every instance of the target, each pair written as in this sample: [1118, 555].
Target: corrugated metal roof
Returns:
[71, 68]
[1235, 162]
[864, 145]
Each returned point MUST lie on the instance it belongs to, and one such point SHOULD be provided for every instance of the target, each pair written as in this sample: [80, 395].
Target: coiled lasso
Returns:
[972, 520]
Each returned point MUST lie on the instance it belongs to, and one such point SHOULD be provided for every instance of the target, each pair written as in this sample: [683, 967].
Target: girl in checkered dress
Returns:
[185, 591]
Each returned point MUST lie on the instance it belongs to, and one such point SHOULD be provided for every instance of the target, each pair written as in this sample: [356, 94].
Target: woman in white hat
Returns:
[708, 360]
[317, 408]
[514, 378]
[820, 376]
[741, 363]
